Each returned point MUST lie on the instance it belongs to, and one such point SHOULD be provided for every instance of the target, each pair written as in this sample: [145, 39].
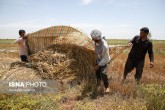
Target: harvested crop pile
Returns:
[64, 61]
[21, 73]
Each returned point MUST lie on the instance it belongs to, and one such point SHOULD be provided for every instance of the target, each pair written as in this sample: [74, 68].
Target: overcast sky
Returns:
[114, 18]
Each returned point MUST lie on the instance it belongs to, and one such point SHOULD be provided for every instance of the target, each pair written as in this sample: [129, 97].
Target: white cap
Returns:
[96, 34]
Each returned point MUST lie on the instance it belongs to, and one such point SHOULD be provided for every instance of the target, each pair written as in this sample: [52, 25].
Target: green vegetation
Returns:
[29, 102]
[155, 96]
[117, 41]
[6, 41]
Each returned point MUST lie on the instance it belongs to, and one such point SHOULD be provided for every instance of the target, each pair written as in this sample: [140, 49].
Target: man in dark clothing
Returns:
[136, 58]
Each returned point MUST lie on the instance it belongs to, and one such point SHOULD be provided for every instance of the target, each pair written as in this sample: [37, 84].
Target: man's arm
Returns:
[151, 54]
[131, 42]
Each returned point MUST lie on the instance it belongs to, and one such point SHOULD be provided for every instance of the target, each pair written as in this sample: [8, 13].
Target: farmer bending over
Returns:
[136, 58]
[103, 58]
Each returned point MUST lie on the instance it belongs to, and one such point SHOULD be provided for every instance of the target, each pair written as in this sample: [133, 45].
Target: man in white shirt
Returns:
[21, 41]
[102, 58]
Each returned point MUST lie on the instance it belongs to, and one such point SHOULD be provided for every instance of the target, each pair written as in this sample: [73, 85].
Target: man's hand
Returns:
[26, 36]
[96, 67]
[151, 64]
[129, 44]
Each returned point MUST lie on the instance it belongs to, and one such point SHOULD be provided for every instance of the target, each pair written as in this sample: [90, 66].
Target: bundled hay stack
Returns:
[62, 53]
[65, 62]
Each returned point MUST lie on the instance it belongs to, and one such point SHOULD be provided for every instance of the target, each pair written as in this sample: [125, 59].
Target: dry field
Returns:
[149, 95]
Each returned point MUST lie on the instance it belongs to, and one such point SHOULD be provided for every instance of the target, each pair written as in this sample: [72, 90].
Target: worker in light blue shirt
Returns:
[102, 58]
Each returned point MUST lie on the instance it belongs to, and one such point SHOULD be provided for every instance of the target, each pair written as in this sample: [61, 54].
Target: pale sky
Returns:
[119, 19]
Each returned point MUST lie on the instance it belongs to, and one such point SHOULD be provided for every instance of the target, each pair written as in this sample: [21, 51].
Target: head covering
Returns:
[96, 34]
[145, 29]
[21, 31]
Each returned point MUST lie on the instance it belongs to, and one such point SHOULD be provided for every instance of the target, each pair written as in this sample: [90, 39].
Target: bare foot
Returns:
[107, 90]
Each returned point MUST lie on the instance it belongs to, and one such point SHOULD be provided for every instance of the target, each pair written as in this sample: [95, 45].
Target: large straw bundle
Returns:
[62, 52]
[65, 62]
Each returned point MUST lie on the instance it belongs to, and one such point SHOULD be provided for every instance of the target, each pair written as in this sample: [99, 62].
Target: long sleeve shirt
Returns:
[102, 53]
[140, 48]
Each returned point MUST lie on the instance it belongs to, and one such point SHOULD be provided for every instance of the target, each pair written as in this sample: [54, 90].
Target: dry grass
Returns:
[9, 55]
[64, 62]
[9, 46]
[5, 60]
[73, 60]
